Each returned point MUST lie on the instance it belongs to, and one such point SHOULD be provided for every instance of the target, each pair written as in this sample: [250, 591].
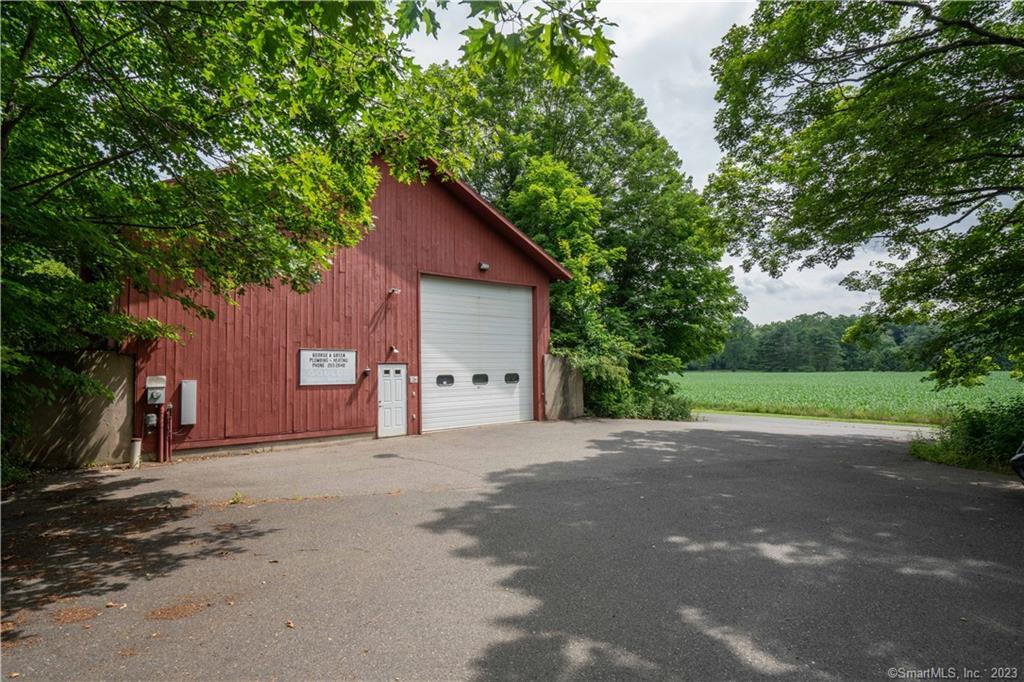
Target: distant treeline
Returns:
[814, 343]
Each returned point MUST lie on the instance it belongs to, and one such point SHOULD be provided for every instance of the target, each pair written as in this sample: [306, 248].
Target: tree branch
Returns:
[143, 226]
[87, 168]
[985, 155]
[929, 13]
[854, 52]
[92, 165]
[84, 59]
[9, 121]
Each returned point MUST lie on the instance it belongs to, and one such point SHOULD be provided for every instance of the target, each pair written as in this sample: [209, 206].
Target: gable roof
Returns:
[490, 215]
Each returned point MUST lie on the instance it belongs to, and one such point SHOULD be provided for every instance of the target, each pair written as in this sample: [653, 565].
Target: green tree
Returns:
[668, 296]
[899, 123]
[741, 346]
[180, 146]
[824, 353]
[815, 343]
[554, 208]
[775, 349]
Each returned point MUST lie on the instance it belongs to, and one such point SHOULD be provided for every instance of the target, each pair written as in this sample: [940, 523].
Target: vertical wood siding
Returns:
[246, 360]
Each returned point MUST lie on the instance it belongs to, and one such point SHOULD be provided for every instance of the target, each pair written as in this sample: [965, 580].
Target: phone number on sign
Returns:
[953, 673]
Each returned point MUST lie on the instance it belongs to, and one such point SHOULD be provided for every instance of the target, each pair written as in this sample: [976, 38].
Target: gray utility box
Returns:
[156, 388]
[189, 401]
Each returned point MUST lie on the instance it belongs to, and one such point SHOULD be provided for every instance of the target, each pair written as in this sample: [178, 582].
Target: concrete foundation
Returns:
[81, 430]
[271, 446]
[563, 389]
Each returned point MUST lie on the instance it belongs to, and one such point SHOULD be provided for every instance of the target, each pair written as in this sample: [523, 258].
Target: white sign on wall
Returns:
[325, 367]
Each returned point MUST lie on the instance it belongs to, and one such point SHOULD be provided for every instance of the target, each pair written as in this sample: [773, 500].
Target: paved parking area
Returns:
[736, 547]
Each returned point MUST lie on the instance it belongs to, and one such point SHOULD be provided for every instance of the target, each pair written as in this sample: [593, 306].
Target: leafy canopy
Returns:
[182, 145]
[554, 208]
[895, 125]
[662, 290]
[815, 343]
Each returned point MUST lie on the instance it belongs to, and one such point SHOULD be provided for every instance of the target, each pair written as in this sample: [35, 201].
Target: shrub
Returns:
[654, 401]
[669, 407]
[978, 437]
[13, 470]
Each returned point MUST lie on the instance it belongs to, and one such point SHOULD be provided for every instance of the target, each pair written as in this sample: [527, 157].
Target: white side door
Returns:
[391, 400]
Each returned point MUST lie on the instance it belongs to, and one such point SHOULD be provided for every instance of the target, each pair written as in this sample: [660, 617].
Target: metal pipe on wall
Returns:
[170, 432]
[160, 433]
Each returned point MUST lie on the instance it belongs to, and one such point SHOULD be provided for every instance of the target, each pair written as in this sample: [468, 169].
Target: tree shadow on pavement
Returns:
[86, 535]
[713, 554]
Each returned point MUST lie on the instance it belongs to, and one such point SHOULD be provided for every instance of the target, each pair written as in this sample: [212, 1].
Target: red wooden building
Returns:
[438, 319]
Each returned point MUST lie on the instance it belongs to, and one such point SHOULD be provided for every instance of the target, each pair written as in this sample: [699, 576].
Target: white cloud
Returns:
[800, 291]
[427, 50]
[664, 54]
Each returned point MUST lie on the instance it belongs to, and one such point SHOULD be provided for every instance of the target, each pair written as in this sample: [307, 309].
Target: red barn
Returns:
[438, 319]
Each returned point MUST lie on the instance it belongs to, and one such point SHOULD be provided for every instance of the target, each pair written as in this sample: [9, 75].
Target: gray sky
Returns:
[664, 54]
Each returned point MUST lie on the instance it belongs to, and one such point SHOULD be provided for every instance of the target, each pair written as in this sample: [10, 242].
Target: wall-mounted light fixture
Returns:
[394, 290]
[366, 371]
[484, 266]
[393, 350]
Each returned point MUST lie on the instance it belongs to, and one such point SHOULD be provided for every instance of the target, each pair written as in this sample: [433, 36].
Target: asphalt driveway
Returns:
[738, 547]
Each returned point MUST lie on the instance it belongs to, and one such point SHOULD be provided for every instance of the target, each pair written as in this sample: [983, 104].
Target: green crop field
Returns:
[881, 396]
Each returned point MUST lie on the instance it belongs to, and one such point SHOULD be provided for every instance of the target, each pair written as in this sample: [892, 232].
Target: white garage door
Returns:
[476, 353]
